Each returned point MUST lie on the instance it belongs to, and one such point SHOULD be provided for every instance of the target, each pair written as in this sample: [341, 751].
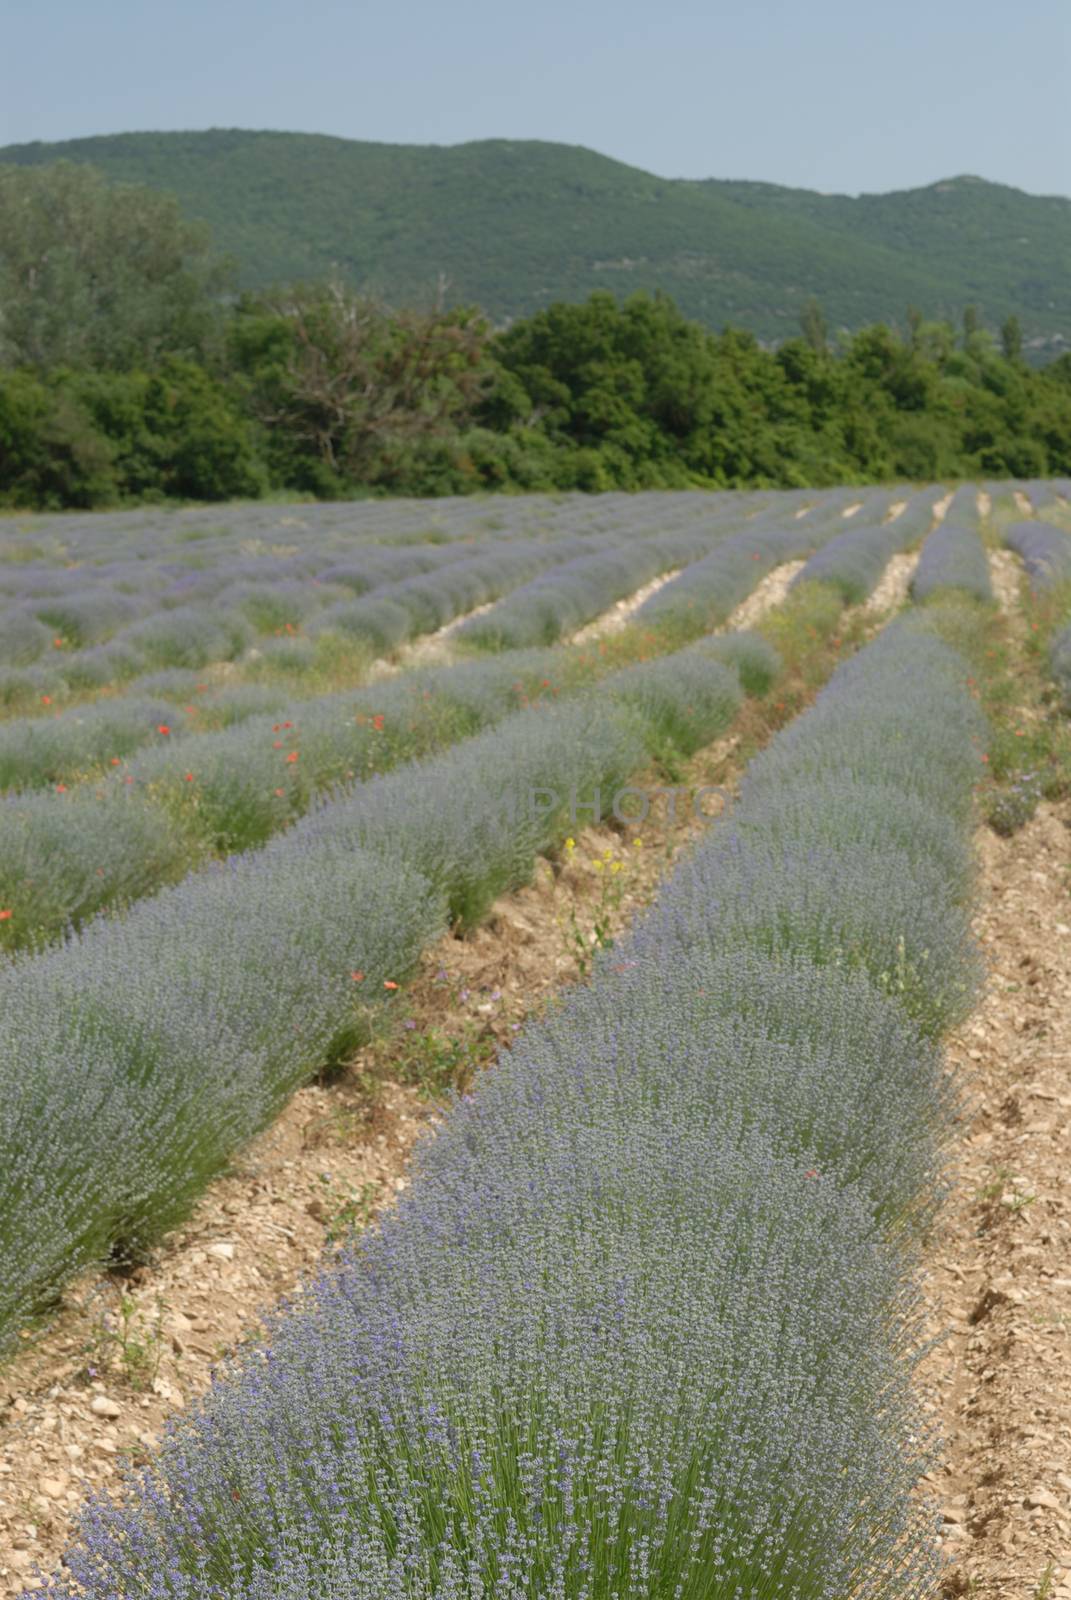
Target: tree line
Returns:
[132, 370]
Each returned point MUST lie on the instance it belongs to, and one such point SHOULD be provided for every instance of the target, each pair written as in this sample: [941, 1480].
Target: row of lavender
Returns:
[143, 821]
[855, 560]
[1045, 551]
[39, 751]
[182, 628]
[67, 854]
[71, 852]
[96, 614]
[565, 597]
[701, 597]
[954, 556]
[644, 1323]
[104, 851]
[173, 1033]
[35, 751]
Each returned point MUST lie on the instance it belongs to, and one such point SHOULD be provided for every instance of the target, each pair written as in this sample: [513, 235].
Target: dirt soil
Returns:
[1004, 574]
[614, 619]
[427, 650]
[1001, 1271]
[892, 587]
[770, 592]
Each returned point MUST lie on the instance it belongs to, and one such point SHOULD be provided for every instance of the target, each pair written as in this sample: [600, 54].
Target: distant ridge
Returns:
[515, 224]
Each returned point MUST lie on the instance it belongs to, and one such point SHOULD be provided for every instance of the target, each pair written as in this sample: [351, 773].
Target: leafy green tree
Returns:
[96, 275]
[352, 390]
[51, 455]
[813, 325]
[1011, 338]
[935, 342]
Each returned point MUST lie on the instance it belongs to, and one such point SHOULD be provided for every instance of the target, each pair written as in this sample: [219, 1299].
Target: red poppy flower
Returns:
[162, 727]
[358, 977]
[61, 788]
[46, 699]
[388, 983]
[280, 793]
[189, 777]
[6, 916]
[115, 761]
[292, 756]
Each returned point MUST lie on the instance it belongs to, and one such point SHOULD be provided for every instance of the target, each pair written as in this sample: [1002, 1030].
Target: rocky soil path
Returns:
[1001, 1273]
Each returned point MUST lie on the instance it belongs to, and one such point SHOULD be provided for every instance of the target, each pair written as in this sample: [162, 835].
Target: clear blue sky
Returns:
[829, 94]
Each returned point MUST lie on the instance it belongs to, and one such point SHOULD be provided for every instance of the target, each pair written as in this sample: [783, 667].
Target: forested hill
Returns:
[515, 224]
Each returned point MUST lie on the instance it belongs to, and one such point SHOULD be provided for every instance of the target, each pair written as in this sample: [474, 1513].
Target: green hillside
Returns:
[514, 225]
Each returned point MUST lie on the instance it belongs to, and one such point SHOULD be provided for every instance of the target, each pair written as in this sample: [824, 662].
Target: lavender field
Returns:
[648, 1315]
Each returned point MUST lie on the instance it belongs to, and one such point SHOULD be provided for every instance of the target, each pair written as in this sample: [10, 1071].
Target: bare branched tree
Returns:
[361, 381]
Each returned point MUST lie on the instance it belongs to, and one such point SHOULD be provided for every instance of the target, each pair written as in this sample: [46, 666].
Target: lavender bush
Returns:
[442, 837]
[101, 601]
[685, 699]
[87, 618]
[64, 857]
[386, 617]
[754, 659]
[954, 557]
[65, 745]
[644, 1323]
[465, 820]
[563, 599]
[122, 1099]
[38, 751]
[23, 637]
[702, 596]
[68, 854]
[854, 560]
[232, 790]
[1045, 552]
[1041, 494]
